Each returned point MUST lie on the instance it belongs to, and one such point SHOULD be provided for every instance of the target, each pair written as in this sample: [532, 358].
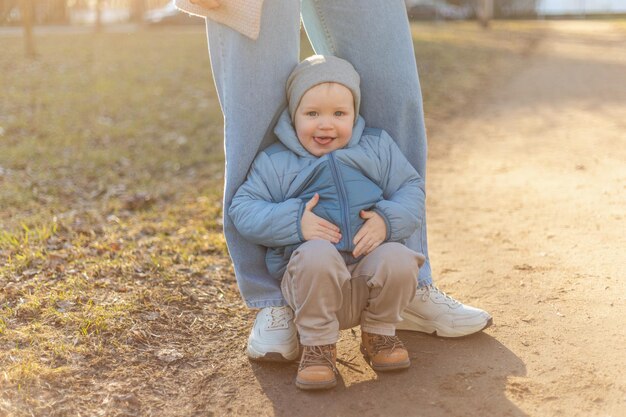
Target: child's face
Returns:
[324, 118]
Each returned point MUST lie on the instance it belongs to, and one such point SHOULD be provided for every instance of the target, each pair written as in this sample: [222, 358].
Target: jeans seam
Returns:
[223, 71]
[329, 39]
[422, 235]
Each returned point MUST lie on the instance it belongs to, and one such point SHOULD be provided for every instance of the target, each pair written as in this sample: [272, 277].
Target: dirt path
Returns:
[528, 210]
[527, 206]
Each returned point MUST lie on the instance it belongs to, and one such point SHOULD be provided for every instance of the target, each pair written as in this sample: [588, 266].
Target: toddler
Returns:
[333, 202]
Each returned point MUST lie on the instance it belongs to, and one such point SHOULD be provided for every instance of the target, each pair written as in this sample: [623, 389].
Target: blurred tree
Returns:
[27, 11]
[98, 22]
[484, 12]
[516, 8]
[137, 10]
[56, 12]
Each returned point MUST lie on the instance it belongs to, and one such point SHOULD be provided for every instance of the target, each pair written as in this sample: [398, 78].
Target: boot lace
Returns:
[437, 292]
[279, 318]
[318, 356]
[381, 342]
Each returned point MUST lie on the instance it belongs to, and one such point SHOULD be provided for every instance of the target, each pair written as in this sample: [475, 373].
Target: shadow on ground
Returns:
[462, 377]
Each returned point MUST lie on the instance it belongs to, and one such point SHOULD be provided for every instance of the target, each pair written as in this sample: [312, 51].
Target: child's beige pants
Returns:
[327, 295]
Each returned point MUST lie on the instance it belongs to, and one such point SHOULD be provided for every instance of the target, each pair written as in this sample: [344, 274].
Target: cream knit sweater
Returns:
[242, 15]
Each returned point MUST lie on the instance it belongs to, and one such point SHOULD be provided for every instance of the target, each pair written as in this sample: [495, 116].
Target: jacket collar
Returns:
[286, 133]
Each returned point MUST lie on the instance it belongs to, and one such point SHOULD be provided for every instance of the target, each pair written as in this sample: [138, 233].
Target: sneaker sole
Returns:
[415, 323]
[256, 355]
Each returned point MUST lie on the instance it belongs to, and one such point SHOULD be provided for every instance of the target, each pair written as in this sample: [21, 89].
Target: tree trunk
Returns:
[485, 12]
[27, 8]
[98, 23]
[137, 10]
[58, 12]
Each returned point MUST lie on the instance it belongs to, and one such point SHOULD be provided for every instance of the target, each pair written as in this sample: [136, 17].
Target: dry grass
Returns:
[116, 293]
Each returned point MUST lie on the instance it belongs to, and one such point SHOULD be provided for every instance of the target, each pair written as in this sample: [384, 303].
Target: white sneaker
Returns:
[434, 312]
[274, 336]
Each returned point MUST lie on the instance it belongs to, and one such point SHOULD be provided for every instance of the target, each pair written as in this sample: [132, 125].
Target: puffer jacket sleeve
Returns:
[403, 202]
[257, 214]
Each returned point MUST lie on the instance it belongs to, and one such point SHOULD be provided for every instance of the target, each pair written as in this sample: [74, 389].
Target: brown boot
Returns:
[317, 367]
[384, 353]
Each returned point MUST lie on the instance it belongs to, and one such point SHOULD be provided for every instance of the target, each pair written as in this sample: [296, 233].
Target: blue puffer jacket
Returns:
[370, 173]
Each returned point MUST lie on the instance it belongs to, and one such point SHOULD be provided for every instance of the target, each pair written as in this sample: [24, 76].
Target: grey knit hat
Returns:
[318, 69]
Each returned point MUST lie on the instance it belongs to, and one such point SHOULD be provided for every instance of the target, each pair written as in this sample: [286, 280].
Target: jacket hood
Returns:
[286, 133]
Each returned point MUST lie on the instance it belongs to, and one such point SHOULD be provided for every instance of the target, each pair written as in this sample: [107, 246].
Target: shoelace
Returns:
[381, 342]
[279, 318]
[318, 355]
[446, 297]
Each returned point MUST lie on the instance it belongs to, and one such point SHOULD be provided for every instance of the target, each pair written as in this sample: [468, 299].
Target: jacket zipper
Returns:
[342, 196]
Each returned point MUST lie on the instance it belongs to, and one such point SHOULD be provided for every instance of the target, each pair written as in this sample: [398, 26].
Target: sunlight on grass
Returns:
[30, 370]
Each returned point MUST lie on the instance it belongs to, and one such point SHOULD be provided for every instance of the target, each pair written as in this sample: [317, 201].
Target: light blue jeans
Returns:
[250, 76]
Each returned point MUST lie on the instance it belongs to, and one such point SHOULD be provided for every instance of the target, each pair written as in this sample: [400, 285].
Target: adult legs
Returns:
[250, 79]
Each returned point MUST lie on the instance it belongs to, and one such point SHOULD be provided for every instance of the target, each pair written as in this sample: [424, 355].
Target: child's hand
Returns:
[370, 235]
[314, 227]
